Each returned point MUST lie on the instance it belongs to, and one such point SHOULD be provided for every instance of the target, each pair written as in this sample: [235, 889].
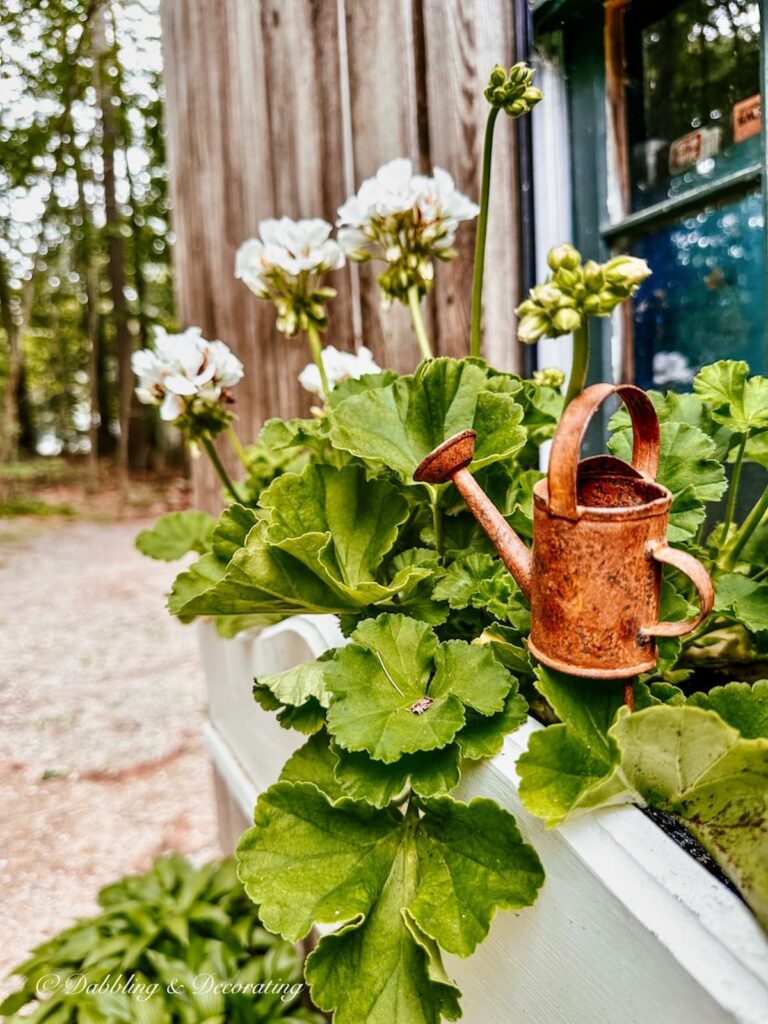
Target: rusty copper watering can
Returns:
[599, 539]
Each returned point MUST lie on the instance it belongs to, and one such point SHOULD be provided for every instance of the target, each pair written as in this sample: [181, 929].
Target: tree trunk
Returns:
[115, 246]
[17, 428]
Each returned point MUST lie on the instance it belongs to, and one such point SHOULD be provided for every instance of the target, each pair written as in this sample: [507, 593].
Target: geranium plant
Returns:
[361, 833]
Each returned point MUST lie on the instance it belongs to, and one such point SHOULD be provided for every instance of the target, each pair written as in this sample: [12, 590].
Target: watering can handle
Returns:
[698, 575]
[566, 446]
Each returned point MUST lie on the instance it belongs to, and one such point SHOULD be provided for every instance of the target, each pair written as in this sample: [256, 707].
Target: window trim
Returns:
[601, 218]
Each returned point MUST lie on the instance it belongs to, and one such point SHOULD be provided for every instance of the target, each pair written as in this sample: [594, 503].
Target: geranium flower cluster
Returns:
[189, 378]
[406, 219]
[574, 291]
[285, 264]
[338, 366]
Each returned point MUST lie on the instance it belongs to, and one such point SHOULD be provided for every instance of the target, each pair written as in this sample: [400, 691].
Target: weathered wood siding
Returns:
[283, 107]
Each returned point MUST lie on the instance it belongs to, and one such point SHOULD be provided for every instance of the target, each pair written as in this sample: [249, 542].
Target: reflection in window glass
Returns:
[693, 101]
[704, 300]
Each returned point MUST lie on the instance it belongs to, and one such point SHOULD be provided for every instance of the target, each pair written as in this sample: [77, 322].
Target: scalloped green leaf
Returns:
[744, 598]
[738, 401]
[315, 762]
[175, 534]
[397, 885]
[691, 763]
[480, 580]
[574, 766]
[688, 466]
[396, 690]
[428, 774]
[742, 706]
[483, 735]
[360, 517]
[398, 425]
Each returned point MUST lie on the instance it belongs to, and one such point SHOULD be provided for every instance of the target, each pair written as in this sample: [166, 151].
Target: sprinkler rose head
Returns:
[452, 455]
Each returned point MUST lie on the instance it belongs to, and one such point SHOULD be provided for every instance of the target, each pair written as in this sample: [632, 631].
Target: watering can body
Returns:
[593, 576]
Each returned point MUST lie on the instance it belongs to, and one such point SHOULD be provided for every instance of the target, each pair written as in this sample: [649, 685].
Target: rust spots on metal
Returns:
[599, 541]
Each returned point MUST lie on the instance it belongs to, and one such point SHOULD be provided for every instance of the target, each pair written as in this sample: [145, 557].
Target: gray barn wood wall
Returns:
[282, 107]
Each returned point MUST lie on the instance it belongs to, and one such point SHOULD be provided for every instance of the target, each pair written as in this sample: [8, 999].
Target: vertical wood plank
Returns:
[254, 122]
[384, 124]
[301, 40]
[463, 40]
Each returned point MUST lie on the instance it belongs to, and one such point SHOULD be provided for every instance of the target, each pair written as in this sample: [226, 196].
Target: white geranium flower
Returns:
[285, 264]
[186, 374]
[407, 220]
[338, 366]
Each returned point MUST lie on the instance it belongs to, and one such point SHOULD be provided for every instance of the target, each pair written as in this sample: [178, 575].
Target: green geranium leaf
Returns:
[176, 533]
[397, 690]
[428, 774]
[333, 567]
[277, 434]
[315, 762]
[742, 706]
[574, 766]
[738, 401]
[688, 467]
[296, 685]
[400, 424]
[192, 584]
[358, 385]
[228, 536]
[398, 886]
[232, 529]
[743, 598]
[299, 695]
[483, 735]
[691, 763]
[479, 580]
[360, 518]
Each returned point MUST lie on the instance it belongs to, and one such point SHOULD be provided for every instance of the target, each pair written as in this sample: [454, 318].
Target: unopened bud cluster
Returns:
[574, 290]
[512, 91]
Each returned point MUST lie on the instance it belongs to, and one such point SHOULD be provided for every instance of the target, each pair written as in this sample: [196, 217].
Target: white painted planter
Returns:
[628, 928]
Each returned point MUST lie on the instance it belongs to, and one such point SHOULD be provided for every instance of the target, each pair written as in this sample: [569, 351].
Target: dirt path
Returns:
[101, 699]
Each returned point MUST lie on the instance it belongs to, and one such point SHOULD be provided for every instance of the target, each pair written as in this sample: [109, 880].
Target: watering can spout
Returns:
[449, 461]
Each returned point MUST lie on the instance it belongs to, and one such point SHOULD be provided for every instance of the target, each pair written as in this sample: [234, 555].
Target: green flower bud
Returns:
[512, 91]
[592, 305]
[626, 271]
[566, 320]
[568, 280]
[498, 75]
[594, 278]
[564, 256]
[531, 328]
[549, 296]
[550, 377]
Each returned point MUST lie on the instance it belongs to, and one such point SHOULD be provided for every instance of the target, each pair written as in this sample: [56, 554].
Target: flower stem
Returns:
[218, 465]
[482, 231]
[580, 363]
[317, 354]
[747, 528]
[237, 448]
[733, 490]
[414, 303]
[437, 520]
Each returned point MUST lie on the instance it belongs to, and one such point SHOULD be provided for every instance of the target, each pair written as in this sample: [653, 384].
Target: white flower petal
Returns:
[171, 408]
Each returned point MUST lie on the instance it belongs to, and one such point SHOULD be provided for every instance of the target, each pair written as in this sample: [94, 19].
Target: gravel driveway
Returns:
[102, 766]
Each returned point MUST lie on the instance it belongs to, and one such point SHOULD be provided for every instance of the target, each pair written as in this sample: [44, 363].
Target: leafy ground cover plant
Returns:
[361, 834]
[176, 945]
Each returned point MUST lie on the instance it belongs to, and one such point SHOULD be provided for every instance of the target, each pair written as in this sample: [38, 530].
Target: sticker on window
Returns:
[693, 147]
[747, 118]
